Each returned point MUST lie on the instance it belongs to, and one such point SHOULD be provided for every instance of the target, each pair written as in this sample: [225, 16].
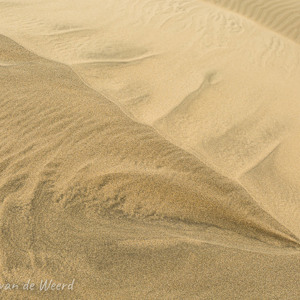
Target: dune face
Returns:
[171, 66]
[149, 150]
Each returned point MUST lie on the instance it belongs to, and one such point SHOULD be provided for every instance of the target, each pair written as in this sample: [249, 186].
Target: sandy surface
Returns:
[150, 149]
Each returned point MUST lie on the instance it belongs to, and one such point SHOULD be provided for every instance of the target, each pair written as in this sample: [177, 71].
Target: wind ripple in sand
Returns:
[79, 125]
[280, 16]
[61, 172]
[78, 179]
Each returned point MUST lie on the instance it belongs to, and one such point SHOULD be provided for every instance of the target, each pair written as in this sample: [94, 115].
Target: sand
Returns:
[150, 149]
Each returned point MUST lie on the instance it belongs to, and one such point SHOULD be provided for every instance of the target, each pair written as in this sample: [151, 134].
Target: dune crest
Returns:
[144, 141]
[83, 156]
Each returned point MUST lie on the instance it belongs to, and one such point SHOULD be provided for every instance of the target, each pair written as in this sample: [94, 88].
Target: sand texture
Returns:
[150, 149]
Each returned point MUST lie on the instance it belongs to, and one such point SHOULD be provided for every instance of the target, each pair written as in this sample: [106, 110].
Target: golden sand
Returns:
[149, 149]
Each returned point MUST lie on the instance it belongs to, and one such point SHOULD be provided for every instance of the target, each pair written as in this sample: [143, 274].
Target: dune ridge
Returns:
[67, 127]
[142, 142]
[70, 159]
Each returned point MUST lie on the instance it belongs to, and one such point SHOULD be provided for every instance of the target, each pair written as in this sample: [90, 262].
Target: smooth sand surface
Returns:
[150, 149]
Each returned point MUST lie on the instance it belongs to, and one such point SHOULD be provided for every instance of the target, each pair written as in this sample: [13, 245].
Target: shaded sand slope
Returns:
[214, 82]
[63, 139]
[70, 159]
[220, 79]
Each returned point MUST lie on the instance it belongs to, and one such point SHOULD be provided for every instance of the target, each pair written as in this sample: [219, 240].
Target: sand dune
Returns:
[150, 149]
[63, 168]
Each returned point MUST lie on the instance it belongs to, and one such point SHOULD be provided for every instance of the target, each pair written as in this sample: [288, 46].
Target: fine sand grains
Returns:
[149, 150]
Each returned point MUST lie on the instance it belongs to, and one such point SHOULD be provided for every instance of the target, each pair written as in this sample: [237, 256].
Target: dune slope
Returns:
[142, 141]
[70, 159]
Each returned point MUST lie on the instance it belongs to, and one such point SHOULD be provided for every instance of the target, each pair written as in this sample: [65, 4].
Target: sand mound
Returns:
[175, 71]
[76, 149]
[70, 157]
[146, 134]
